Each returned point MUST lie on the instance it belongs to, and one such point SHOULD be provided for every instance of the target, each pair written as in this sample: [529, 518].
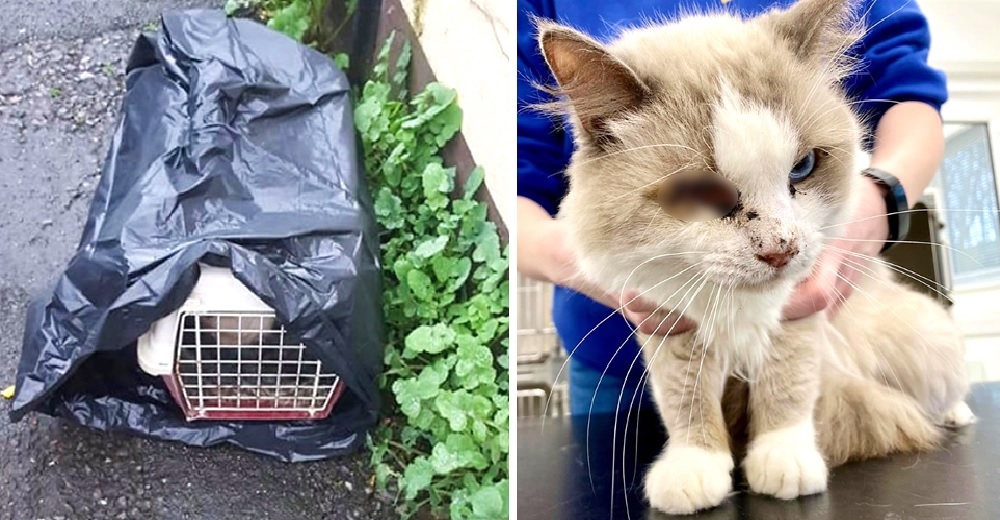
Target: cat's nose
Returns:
[779, 257]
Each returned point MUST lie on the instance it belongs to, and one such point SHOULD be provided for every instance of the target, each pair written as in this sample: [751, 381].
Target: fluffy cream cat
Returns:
[714, 158]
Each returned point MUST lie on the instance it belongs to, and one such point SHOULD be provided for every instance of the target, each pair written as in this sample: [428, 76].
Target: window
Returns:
[967, 186]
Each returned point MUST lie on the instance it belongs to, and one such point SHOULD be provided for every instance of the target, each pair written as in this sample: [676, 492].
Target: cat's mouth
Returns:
[764, 279]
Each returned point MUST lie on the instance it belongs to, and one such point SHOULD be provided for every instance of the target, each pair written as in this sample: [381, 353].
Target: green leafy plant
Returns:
[443, 446]
[295, 18]
[446, 304]
[292, 17]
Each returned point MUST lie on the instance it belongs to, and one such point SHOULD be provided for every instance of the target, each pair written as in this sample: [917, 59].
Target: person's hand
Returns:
[844, 261]
[562, 269]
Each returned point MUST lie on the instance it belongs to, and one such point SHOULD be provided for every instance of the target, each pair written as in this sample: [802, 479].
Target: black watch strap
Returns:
[896, 205]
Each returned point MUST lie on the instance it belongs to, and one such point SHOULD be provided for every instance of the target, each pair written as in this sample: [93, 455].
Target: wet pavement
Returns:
[61, 80]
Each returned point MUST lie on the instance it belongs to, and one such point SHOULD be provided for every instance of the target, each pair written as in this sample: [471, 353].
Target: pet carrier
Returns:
[223, 355]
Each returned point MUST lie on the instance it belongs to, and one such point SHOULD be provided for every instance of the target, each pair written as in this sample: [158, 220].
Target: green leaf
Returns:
[459, 451]
[389, 209]
[365, 114]
[417, 477]
[430, 339]
[475, 363]
[437, 179]
[410, 393]
[489, 329]
[409, 435]
[488, 248]
[233, 5]
[431, 247]
[293, 20]
[488, 503]
[382, 472]
[454, 271]
[473, 183]
[342, 60]
[402, 62]
[454, 407]
[443, 460]
[419, 283]
[479, 431]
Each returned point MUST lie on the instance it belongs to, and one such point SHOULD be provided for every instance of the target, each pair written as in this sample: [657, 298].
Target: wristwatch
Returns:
[895, 205]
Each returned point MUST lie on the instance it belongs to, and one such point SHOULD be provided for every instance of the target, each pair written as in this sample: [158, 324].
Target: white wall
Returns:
[470, 47]
[965, 43]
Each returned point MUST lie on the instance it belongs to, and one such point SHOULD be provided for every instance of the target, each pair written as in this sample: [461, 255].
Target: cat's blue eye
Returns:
[803, 168]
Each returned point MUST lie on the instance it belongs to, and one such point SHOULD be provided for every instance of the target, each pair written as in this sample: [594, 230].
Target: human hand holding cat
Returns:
[543, 254]
[845, 259]
[646, 316]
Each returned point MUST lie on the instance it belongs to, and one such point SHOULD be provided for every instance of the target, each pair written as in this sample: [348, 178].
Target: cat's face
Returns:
[725, 140]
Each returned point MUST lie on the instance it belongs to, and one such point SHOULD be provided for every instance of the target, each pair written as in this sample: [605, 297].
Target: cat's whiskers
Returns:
[631, 192]
[870, 28]
[634, 149]
[834, 157]
[916, 210]
[699, 275]
[875, 348]
[816, 117]
[614, 437]
[645, 376]
[868, 272]
[706, 344]
[913, 275]
[621, 304]
[959, 251]
[613, 314]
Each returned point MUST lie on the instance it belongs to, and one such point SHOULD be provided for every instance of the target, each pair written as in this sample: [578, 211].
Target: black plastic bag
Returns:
[235, 148]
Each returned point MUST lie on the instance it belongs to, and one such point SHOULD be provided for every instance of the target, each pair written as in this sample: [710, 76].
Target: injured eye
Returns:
[803, 168]
[697, 196]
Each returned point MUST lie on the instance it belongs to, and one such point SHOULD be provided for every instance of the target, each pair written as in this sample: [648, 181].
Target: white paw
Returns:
[686, 479]
[959, 415]
[786, 463]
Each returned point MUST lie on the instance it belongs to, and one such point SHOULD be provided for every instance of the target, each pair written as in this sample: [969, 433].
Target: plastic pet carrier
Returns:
[223, 355]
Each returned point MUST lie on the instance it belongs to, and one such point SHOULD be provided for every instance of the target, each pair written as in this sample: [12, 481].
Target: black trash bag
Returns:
[236, 149]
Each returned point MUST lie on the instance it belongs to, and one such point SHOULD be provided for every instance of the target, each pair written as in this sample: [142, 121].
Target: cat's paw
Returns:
[686, 479]
[960, 415]
[786, 463]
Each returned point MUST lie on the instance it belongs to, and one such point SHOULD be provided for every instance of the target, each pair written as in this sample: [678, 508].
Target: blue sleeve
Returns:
[542, 152]
[894, 64]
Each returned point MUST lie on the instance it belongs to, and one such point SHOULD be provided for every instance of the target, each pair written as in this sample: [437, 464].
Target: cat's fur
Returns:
[745, 100]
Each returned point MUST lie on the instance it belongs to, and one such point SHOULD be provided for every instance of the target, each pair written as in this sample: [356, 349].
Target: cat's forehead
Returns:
[690, 60]
[726, 89]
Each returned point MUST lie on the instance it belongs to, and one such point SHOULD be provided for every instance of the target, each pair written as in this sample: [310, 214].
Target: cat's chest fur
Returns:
[735, 324]
[739, 328]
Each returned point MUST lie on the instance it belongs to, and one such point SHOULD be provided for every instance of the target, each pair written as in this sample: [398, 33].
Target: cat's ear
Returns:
[816, 28]
[598, 85]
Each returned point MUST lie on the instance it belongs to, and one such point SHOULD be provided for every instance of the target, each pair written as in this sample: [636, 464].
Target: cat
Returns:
[714, 156]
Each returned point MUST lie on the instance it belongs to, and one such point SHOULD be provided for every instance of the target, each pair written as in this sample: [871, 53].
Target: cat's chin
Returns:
[762, 284]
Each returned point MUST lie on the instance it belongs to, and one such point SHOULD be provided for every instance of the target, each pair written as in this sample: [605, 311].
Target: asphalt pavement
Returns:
[61, 81]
